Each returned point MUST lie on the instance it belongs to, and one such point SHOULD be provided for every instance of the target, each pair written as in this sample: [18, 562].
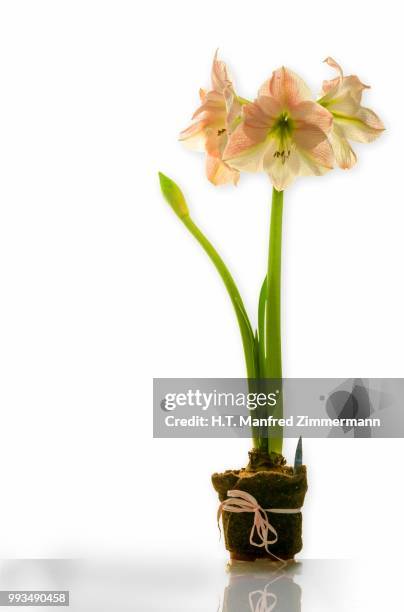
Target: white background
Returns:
[102, 288]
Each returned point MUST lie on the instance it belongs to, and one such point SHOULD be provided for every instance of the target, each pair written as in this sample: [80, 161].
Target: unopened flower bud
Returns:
[174, 196]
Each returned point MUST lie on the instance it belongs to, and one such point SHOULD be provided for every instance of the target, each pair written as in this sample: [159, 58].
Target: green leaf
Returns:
[174, 196]
[242, 317]
[176, 200]
[299, 454]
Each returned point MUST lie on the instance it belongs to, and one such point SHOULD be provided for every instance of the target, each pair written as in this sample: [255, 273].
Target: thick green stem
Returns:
[273, 349]
[241, 314]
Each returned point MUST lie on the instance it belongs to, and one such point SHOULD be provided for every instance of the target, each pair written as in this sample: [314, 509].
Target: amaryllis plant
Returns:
[285, 133]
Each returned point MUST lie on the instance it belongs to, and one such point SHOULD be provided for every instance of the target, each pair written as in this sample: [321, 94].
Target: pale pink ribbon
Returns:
[240, 501]
[266, 601]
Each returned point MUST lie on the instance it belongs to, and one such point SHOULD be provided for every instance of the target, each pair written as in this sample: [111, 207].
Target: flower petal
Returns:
[370, 118]
[194, 136]
[211, 115]
[219, 75]
[213, 103]
[312, 113]
[219, 173]
[246, 148]
[344, 154]
[261, 114]
[365, 126]
[331, 62]
[300, 162]
[286, 87]
[266, 110]
[309, 164]
[248, 138]
[313, 141]
[318, 158]
[233, 108]
[282, 173]
[343, 96]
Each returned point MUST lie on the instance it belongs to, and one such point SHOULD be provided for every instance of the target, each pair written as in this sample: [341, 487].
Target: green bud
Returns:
[174, 196]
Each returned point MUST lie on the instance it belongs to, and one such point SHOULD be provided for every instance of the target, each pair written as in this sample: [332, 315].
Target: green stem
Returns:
[262, 308]
[241, 314]
[273, 349]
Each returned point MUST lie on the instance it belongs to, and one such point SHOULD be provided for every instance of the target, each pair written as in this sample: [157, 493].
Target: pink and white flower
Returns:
[284, 132]
[217, 115]
[342, 98]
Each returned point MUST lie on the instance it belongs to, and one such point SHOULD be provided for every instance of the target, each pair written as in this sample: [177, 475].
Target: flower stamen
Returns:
[284, 155]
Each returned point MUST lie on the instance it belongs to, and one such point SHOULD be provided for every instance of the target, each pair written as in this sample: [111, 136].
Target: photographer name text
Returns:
[270, 421]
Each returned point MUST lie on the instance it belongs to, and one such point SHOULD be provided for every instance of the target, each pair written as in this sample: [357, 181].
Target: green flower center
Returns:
[282, 132]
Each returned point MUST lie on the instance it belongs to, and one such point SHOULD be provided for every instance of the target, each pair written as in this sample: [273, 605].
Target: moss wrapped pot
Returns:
[274, 486]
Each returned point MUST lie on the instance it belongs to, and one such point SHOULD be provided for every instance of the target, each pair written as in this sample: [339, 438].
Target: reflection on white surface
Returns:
[262, 587]
[189, 585]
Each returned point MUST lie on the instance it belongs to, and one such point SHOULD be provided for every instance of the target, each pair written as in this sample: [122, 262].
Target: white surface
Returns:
[175, 585]
[102, 289]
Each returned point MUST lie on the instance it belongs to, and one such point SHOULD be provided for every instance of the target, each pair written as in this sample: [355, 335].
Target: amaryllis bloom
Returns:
[213, 121]
[284, 132]
[342, 97]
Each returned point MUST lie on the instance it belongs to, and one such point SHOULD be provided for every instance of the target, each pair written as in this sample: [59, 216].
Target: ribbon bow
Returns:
[240, 501]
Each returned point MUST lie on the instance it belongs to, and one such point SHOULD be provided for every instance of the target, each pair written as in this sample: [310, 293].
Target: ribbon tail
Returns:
[219, 515]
